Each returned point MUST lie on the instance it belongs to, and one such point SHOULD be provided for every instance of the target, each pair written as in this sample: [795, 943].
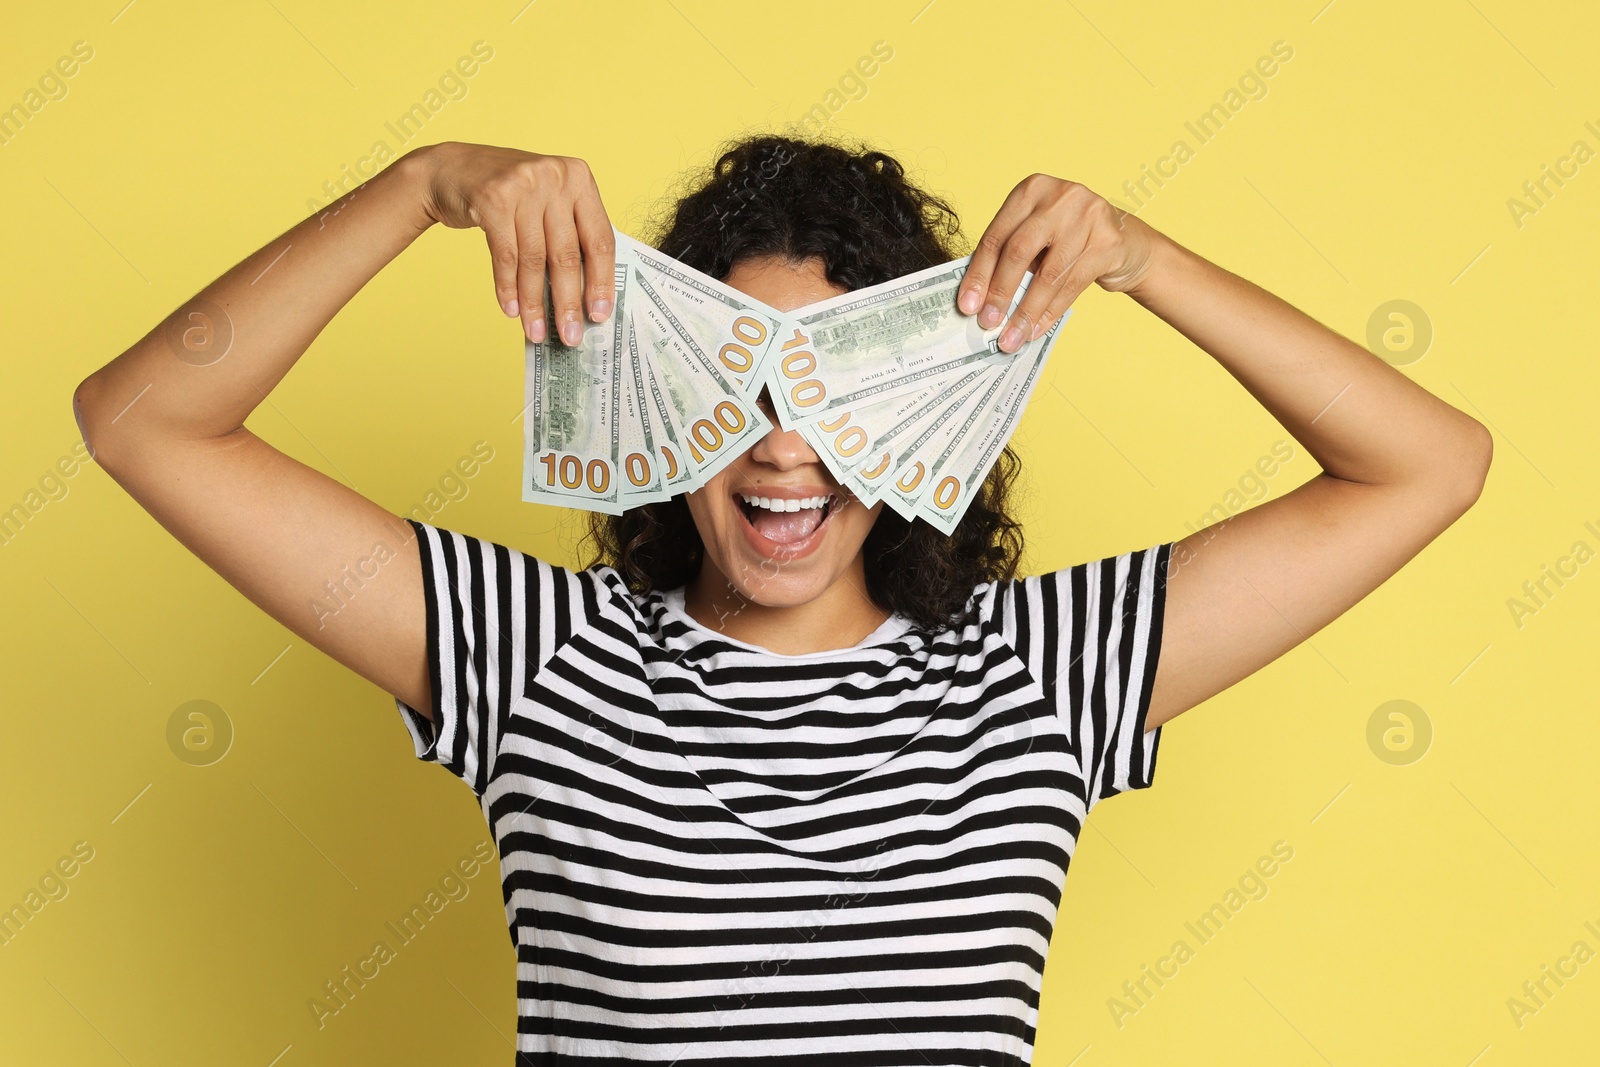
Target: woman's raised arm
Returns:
[166, 418]
[1399, 465]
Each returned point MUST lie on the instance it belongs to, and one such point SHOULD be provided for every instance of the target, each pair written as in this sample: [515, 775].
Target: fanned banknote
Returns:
[866, 445]
[713, 420]
[874, 343]
[572, 429]
[904, 399]
[960, 467]
[716, 323]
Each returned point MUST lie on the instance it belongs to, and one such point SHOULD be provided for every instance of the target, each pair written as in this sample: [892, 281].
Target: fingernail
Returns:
[990, 317]
[1011, 339]
[571, 332]
[536, 331]
[968, 302]
[510, 308]
[1037, 331]
[601, 309]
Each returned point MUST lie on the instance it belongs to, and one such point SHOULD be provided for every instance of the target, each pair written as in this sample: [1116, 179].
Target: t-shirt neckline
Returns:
[893, 627]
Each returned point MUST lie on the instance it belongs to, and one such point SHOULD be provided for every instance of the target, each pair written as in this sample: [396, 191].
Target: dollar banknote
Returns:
[904, 399]
[864, 446]
[712, 419]
[660, 429]
[871, 344]
[572, 429]
[909, 477]
[716, 323]
[959, 468]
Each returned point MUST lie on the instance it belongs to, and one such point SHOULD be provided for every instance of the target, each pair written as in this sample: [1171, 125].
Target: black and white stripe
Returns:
[712, 854]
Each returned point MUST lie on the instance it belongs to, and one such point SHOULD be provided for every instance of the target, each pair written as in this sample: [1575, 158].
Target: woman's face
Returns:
[781, 558]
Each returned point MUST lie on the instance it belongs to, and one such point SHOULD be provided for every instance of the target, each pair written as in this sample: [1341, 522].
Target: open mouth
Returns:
[787, 521]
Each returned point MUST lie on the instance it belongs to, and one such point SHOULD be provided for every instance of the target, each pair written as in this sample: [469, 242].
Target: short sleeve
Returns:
[493, 615]
[1091, 634]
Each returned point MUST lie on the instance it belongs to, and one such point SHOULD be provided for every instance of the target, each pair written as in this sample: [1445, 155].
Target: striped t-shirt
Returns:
[716, 854]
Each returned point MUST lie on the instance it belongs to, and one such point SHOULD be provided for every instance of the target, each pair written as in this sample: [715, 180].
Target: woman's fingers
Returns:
[499, 230]
[1042, 304]
[1029, 318]
[1079, 276]
[530, 270]
[542, 218]
[564, 261]
[1061, 231]
[599, 254]
[1021, 250]
[975, 284]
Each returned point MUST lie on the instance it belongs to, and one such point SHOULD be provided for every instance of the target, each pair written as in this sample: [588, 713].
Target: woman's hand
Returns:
[1068, 237]
[534, 210]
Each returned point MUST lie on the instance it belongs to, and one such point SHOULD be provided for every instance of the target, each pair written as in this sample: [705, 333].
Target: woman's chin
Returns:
[778, 587]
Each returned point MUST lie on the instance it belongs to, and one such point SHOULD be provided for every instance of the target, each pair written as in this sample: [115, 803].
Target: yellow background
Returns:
[1377, 167]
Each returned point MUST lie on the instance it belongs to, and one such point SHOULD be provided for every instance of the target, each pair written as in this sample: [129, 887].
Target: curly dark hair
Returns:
[854, 208]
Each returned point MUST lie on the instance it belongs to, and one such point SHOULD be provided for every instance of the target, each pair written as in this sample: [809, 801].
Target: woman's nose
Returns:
[783, 449]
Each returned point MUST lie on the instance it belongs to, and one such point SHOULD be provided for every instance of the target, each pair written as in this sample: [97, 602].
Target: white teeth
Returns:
[781, 504]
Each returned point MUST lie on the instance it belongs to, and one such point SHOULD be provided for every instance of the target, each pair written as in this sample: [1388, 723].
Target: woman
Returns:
[807, 794]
